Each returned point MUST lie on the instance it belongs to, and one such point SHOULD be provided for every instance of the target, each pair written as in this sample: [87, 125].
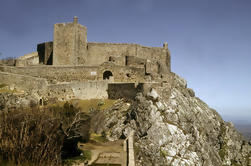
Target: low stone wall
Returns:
[162, 88]
[55, 73]
[78, 90]
[8, 62]
[22, 82]
[101, 90]
[129, 148]
[28, 60]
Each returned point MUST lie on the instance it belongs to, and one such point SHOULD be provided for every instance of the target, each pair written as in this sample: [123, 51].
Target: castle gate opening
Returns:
[107, 74]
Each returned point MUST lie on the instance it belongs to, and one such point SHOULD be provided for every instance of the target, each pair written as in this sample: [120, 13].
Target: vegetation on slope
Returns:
[45, 136]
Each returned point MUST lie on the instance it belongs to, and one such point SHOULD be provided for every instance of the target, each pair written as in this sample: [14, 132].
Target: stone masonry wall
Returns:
[79, 90]
[45, 51]
[99, 53]
[23, 82]
[27, 60]
[69, 45]
[56, 74]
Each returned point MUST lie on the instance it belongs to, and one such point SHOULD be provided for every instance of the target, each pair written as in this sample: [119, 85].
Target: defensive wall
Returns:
[98, 53]
[23, 82]
[45, 51]
[81, 89]
[78, 90]
[56, 74]
[154, 59]
[28, 60]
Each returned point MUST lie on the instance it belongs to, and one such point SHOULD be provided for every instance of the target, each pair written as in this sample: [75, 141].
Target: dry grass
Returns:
[4, 88]
[94, 104]
[30, 136]
[98, 138]
[36, 136]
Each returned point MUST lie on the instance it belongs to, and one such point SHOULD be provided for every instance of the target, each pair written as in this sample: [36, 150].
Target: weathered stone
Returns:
[172, 126]
[70, 44]
[153, 94]
[191, 92]
[188, 132]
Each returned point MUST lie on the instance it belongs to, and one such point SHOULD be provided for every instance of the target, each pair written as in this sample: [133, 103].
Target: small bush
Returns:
[3, 85]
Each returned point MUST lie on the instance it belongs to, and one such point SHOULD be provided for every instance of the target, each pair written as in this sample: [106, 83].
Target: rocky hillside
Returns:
[176, 130]
[171, 128]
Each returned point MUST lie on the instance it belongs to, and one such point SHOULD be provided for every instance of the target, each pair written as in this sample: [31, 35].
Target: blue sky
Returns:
[209, 40]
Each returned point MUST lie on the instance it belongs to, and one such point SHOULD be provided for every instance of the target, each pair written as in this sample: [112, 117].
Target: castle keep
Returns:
[70, 67]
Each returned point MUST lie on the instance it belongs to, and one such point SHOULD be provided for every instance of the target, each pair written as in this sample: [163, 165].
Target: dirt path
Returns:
[104, 153]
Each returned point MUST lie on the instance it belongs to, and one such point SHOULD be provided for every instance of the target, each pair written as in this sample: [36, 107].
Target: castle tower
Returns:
[70, 43]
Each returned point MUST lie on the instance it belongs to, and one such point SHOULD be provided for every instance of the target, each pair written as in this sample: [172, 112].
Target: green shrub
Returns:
[3, 85]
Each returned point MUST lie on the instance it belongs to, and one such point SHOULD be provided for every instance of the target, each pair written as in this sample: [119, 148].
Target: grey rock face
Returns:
[179, 130]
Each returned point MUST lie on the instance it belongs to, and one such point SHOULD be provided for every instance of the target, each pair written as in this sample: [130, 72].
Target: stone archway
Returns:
[107, 74]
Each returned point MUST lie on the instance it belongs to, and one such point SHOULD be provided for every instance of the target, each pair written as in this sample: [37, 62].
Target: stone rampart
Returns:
[99, 53]
[56, 74]
[78, 90]
[45, 51]
[28, 60]
[26, 83]
[8, 62]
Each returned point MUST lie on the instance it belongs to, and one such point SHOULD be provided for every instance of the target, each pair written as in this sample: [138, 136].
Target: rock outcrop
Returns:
[178, 130]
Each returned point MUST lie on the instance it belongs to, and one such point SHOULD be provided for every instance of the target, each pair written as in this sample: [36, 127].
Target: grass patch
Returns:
[99, 138]
[4, 88]
[95, 104]
[163, 153]
[223, 144]
[7, 91]
[3, 85]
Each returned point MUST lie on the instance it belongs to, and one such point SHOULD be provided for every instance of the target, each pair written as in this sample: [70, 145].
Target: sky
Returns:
[209, 40]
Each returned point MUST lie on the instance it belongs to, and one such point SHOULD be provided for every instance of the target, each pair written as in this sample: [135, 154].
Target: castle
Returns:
[70, 67]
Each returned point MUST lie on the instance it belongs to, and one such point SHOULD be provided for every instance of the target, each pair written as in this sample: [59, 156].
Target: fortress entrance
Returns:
[107, 74]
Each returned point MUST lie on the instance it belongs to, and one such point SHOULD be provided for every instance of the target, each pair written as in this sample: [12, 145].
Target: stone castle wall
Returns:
[99, 53]
[122, 90]
[56, 74]
[28, 60]
[79, 90]
[96, 89]
[69, 44]
[45, 51]
[23, 82]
